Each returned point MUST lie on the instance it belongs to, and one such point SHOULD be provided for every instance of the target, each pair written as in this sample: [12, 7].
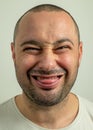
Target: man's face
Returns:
[46, 55]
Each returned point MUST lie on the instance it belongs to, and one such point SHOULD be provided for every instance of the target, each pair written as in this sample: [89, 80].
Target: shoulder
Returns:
[6, 107]
[6, 103]
[86, 104]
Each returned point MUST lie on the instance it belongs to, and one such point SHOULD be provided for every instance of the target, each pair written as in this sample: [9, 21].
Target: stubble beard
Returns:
[47, 99]
[43, 100]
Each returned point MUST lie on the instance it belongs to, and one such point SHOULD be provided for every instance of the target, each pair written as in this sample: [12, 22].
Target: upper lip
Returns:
[47, 76]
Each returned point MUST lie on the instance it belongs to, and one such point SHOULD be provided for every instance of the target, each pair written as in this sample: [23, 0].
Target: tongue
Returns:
[47, 80]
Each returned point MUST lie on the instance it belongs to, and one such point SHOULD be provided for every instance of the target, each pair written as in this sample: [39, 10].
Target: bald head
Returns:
[47, 8]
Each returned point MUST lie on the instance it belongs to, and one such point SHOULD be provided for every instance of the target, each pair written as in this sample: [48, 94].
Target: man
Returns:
[46, 52]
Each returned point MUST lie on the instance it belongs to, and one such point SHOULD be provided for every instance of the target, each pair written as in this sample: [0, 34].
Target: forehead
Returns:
[46, 17]
[45, 23]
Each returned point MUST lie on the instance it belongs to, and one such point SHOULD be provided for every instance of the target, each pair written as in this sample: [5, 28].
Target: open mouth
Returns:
[46, 77]
[46, 82]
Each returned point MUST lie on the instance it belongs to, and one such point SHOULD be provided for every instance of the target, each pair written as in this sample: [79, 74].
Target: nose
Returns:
[47, 61]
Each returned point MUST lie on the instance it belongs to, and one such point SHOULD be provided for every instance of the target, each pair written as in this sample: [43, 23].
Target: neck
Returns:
[54, 117]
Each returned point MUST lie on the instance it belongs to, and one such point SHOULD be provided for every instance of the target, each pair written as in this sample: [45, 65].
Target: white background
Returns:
[11, 10]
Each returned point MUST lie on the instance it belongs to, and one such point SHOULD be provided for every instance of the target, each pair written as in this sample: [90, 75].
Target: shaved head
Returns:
[48, 8]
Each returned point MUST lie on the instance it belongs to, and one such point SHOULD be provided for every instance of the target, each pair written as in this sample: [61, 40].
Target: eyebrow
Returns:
[32, 42]
[37, 43]
[63, 40]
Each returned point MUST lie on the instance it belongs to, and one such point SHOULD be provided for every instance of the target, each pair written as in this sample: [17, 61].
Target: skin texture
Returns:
[47, 56]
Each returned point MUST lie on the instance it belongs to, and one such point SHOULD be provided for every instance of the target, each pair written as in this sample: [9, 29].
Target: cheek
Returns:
[25, 62]
[69, 61]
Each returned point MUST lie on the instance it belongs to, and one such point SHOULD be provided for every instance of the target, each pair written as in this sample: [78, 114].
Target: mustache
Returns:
[45, 72]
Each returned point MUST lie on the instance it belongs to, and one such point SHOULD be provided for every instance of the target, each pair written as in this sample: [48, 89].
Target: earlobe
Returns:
[13, 50]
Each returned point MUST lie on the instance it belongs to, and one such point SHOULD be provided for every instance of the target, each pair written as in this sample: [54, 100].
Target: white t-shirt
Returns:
[12, 119]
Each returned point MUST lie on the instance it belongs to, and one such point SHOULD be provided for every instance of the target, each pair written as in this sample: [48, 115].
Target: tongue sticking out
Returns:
[47, 82]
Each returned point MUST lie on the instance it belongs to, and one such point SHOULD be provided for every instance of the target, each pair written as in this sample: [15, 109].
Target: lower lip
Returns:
[47, 84]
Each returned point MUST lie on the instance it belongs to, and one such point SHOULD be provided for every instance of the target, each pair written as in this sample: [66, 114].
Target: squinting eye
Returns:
[32, 50]
[63, 47]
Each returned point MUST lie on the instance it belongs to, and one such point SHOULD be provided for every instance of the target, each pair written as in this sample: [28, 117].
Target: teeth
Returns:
[44, 78]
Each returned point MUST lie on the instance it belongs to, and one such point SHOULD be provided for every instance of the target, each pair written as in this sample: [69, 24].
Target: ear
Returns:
[80, 51]
[13, 50]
